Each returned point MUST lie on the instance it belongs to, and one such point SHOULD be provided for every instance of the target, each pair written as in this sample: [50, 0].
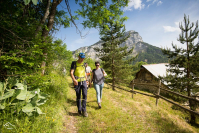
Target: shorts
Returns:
[88, 78]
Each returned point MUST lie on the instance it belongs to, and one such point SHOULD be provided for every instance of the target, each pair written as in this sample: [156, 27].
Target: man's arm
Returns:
[86, 76]
[72, 71]
[73, 78]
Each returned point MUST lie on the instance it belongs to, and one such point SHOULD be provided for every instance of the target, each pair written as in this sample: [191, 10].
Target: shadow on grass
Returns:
[91, 101]
[72, 102]
[73, 114]
[167, 125]
[196, 125]
[94, 107]
[72, 86]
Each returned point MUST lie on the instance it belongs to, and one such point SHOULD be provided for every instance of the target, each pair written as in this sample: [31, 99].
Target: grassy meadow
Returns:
[119, 113]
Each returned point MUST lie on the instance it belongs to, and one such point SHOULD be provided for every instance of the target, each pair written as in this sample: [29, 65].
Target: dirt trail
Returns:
[70, 117]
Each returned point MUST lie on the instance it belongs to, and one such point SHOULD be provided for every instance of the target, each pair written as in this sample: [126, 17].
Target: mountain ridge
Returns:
[147, 52]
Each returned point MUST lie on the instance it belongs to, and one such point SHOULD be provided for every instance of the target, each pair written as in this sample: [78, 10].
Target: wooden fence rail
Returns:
[194, 112]
[157, 96]
[119, 87]
[132, 91]
[148, 84]
[179, 94]
[145, 94]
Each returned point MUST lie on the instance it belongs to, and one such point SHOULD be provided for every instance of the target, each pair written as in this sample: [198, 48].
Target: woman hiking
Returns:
[98, 81]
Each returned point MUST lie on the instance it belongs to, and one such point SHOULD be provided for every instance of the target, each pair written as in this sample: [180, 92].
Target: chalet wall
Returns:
[145, 78]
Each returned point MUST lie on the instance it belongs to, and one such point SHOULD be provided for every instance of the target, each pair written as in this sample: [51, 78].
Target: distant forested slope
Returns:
[151, 55]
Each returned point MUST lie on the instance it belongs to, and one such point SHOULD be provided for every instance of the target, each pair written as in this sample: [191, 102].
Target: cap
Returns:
[81, 55]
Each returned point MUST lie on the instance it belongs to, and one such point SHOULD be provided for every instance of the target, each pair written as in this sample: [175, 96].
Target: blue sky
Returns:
[157, 22]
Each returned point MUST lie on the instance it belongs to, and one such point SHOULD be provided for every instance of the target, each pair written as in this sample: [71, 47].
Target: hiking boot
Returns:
[99, 105]
[79, 113]
[85, 114]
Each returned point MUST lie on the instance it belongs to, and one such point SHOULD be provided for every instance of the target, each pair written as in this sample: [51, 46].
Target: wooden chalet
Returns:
[147, 77]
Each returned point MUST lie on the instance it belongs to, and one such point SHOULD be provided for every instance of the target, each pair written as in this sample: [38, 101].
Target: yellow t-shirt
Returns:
[80, 72]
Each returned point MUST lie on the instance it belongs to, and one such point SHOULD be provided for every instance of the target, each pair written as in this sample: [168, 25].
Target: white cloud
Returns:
[136, 4]
[148, 5]
[159, 3]
[171, 29]
[155, 1]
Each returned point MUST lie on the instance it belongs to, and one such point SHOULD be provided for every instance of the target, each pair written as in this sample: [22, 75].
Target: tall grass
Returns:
[49, 122]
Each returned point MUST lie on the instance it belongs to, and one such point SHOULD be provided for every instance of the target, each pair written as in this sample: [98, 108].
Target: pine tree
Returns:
[112, 55]
[183, 67]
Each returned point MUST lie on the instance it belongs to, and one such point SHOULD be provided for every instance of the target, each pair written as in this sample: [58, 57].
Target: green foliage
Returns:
[59, 57]
[21, 53]
[22, 48]
[114, 57]
[62, 19]
[33, 1]
[98, 13]
[54, 112]
[18, 99]
[184, 65]
[183, 68]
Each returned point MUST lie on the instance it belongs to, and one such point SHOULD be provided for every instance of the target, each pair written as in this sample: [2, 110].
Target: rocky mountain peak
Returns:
[135, 40]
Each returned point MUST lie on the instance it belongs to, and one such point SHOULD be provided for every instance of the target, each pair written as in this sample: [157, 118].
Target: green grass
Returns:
[121, 113]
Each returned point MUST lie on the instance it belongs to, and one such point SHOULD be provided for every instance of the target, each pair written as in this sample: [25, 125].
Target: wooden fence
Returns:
[157, 95]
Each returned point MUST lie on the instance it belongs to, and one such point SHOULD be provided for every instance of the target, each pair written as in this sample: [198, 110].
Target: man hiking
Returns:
[78, 75]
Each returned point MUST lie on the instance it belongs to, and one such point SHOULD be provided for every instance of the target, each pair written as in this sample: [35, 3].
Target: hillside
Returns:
[152, 55]
[121, 113]
[147, 52]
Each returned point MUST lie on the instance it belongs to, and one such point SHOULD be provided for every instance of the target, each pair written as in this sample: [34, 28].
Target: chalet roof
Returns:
[160, 70]
[157, 69]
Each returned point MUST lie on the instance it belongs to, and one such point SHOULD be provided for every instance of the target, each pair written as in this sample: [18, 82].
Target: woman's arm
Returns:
[104, 73]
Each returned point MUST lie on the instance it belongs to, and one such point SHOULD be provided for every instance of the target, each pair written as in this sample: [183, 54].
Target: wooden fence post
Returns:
[132, 88]
[158, 93]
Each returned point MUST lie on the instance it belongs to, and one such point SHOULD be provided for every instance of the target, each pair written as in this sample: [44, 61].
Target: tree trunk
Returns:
[49, 26]
[51, 18]
[192, 105]
[43, 64]
[44, 18]
[113, 68]
[113, 75]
